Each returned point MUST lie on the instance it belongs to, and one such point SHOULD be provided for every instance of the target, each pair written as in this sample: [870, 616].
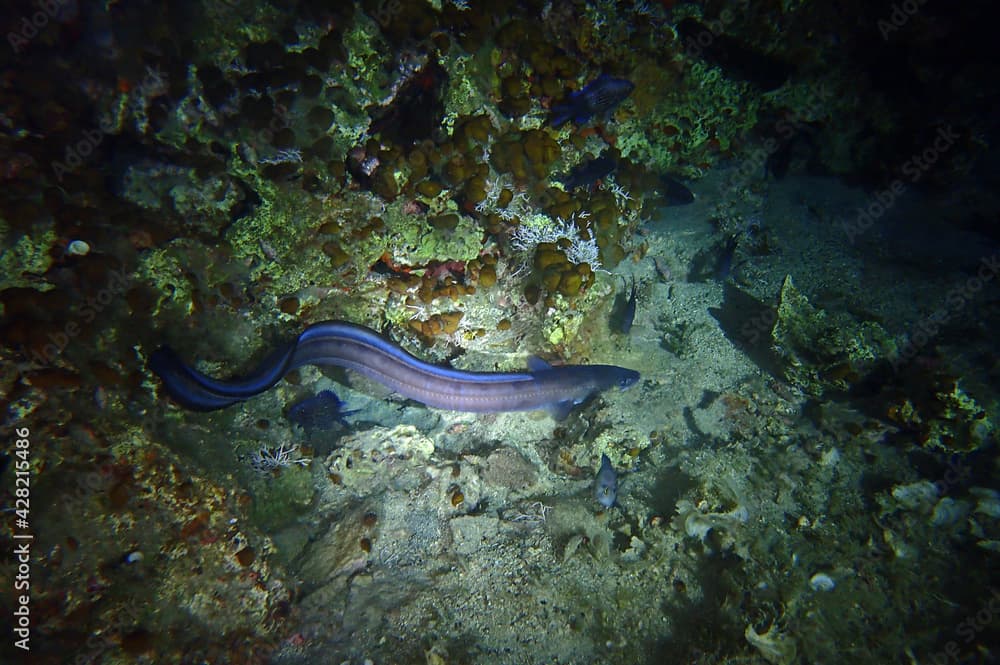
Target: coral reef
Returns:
[216, 175]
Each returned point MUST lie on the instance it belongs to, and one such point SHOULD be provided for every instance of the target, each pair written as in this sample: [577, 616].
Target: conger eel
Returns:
[556, 389]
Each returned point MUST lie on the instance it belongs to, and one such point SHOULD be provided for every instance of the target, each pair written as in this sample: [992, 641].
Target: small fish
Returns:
[600, 96]
[628, 313]
[320, 412]
[606, 484]
[674, 192]
[589, 172]
[662, 270]
[724, 266]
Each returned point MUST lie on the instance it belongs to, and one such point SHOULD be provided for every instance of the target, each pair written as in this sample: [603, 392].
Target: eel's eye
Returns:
[627, 380]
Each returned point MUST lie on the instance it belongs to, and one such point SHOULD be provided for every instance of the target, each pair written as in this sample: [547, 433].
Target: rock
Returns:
[507, 468]
[472, 533]
[823, 351]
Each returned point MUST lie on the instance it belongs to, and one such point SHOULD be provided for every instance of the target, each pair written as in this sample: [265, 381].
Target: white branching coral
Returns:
[283, 156]
[266, 459]
[532, 514]
[493, 188]
[516, 207]
[621, 194]
[542, 228]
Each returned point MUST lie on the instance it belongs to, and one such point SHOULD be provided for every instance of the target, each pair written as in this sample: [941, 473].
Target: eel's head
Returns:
[626, 378]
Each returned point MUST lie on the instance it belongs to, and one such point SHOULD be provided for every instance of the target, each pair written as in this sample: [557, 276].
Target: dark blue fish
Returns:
[589, 172]
[606, 483]
[628, 313]
[724, 266]
[674, 192]
[320, 412]
[600, 96]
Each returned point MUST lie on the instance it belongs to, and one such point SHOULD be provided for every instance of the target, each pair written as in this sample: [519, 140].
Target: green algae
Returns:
[166, 269]
[228, 26]
[411, 240]
[823, 350]
[27, 257]
[282, 497]
[201, 203]
[691, 122]
[366, 48]
[471, 80]
[186, 121]
[960, 422]
[567, 317]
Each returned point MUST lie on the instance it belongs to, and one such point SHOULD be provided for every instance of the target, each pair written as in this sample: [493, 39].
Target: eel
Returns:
[543, 387]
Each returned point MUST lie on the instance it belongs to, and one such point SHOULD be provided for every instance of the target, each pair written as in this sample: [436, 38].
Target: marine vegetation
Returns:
[499, 333]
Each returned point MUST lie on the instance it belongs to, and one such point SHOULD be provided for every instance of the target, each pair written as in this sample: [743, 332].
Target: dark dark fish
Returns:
[320, 412]
[589, 172]
[606, 483]
[717, 261]
[674, 192]
[724, 267]
[628, 313]
[600, 96]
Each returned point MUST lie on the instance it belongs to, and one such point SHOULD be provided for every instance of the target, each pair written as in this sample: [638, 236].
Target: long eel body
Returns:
[556, 389]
